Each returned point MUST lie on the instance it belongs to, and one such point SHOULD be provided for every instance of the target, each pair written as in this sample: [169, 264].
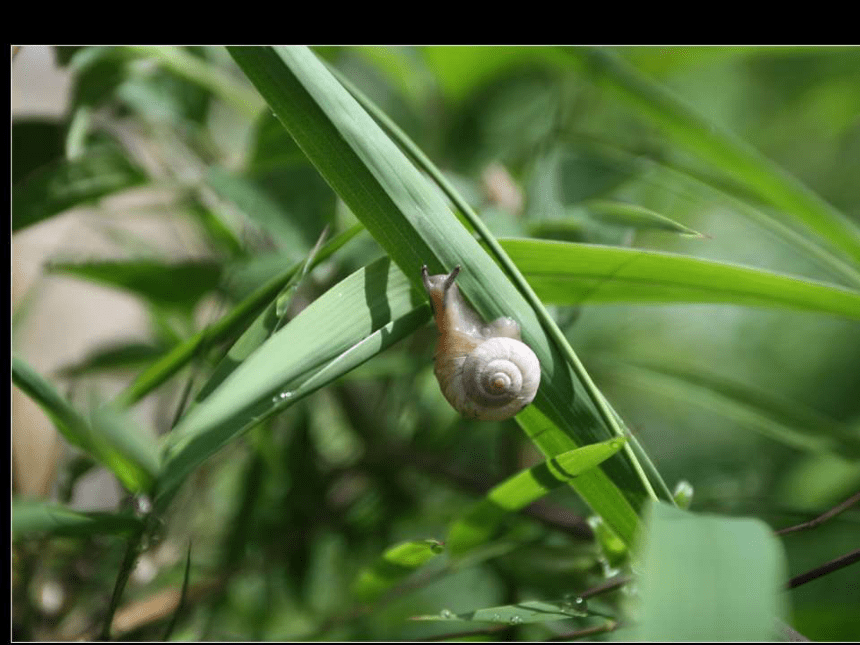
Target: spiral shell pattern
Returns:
[497, 379]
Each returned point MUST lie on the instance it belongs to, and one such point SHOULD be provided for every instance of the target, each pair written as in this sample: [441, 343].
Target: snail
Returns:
[485, 371]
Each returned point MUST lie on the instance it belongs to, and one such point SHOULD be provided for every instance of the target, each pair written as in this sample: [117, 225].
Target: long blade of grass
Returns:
[393, 566]
[375, 306]
[724, 150]
[227, 326]
[411, 221]
[571, 273]
[483, 520]
[64, 184]
[530, 611]
[36, 518]
[119, 445]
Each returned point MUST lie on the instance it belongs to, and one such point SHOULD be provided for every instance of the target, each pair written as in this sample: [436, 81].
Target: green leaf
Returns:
[230, 324]
[795, 201]
[63, 184]
[254, 200]
[374, 307]
[120, 356]
[179, 284]
[36, 518]
[393, 566]
[709, 579]
[111, 438]
[570, 273]
[483, 520]
[531, 611]
[638, 217]
[412, 222]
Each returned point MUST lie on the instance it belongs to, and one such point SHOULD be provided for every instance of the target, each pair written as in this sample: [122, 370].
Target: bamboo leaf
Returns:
[111, 438]
[230, 324]
[785, 421]
[638, 217]
[63, 184]
[515, 493]
[36, 518]
[570, 273]
[522, 613]
[733, 156]
[409, 218]
[376, 303]
[393, 566]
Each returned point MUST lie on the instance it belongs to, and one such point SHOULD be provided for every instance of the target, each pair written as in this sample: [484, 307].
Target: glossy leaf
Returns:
[409, 218]
[272, 377]
[522, 613]
[393, 566]
[483, 520]
[569, 273]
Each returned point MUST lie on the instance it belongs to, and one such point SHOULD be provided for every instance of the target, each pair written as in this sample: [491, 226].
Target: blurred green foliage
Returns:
[283, 519]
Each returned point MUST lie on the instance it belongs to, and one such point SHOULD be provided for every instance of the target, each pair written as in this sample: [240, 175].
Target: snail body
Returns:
[484, 369]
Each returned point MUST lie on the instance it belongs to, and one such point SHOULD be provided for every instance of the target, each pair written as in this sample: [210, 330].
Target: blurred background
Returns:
[208, 182]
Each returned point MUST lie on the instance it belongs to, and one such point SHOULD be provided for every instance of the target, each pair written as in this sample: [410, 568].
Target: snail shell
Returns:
[485, 371]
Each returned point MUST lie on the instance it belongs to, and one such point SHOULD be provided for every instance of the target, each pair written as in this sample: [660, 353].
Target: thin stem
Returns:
[125, 569]
[833, 512]
[824, 569]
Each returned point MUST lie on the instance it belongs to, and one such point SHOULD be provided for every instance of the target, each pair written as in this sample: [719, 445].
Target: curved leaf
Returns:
[570, 273]
[409, 218]
[35, 518]
[483, 520]
[393, 566]
[111, 438]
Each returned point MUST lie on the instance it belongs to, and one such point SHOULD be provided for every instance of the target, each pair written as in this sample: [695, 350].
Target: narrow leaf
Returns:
[268, 380]
[393, 566]
[230, 324]
[634, 216]
[724, 150]
[36, 518]
[483, 520]
[531, 611]
[111, 438]
[775, 417]
[412, 222]
[63, 184]
[569, 273]
[179, 284]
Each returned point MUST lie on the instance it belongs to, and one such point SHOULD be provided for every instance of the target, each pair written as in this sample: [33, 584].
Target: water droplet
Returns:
[446, 613]
[281, 397]
[516, 620]
[142, 505]
[496, 617]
